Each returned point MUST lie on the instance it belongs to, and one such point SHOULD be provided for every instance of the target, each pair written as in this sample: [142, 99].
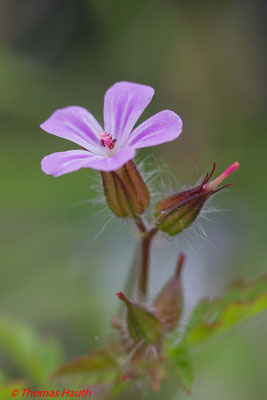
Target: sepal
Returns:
[169, 301]
[125, 190]
[178, 211]
[143, 326]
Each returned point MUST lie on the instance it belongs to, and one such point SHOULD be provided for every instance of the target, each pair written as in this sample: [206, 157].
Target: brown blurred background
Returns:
[206, 61]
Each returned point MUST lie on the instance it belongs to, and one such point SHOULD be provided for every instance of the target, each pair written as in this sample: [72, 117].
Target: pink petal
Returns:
[61, 163]
[76, 124]
[124, 103]
[114, 162]
[162, 127]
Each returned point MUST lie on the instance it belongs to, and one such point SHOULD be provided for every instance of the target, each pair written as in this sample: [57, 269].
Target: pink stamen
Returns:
[213, 184]
[106, 140]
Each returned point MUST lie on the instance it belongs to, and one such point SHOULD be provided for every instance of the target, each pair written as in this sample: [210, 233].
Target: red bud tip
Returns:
[180, 263]
[121, 296]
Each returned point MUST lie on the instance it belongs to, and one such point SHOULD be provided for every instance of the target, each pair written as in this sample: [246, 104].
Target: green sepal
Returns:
[169, 301]
[126, 192]
[142, 325]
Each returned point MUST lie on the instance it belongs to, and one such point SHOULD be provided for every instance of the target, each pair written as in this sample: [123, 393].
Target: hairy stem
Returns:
[146, 239]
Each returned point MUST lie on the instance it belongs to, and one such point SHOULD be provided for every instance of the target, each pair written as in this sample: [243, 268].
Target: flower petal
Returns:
[114, 162]
[164, 126]
[61, 163]
[124, 103]
[76, 124]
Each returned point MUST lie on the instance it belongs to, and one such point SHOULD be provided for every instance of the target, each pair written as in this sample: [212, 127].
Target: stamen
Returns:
[107, 141]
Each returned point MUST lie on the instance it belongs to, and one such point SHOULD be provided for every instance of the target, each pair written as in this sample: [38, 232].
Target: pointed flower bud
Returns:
[178, 211]
[126, 193]
[169, 302]
[142, 325]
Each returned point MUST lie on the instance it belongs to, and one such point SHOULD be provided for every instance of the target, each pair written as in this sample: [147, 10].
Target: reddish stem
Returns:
[147, 236]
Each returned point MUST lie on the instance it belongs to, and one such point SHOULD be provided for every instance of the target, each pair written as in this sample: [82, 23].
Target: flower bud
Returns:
[169, 302]
[142, 324]
[178, 211]
[126, 193]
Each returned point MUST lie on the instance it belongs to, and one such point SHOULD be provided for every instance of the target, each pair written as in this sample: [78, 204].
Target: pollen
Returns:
[106, 140]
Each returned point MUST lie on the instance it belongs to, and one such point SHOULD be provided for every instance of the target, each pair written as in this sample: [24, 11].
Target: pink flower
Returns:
[110, 148]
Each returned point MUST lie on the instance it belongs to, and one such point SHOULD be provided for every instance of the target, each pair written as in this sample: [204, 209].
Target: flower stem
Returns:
[140, 224]
[146, 239]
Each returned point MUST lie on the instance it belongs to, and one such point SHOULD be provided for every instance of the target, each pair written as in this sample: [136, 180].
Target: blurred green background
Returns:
[206, 62]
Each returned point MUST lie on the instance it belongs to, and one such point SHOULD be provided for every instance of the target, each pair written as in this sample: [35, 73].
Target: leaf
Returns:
[36, 357]
[242, 301]
[7, 388]
[98, 367]
[178, 358]
[238, 311]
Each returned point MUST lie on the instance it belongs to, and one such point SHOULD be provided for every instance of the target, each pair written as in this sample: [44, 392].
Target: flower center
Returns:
[107, 141]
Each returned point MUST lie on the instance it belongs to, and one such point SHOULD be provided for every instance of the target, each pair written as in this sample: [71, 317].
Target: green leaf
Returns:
[242, 301]
[98, 367]
[178, 358]
[7, 388]
[238, 311]
[36, 357]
